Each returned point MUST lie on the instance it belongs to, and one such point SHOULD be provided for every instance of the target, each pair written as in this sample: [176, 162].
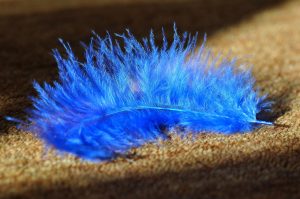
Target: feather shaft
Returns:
[160, 108]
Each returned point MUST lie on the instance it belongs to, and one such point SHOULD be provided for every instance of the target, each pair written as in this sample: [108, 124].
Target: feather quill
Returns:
[123, 96]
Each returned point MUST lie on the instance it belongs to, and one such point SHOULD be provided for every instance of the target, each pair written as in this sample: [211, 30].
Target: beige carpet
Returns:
[262, 164]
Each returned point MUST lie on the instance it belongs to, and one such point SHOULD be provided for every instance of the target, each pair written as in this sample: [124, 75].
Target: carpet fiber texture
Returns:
[261, 164]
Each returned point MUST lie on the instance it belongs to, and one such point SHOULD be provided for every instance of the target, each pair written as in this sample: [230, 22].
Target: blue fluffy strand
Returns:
[123, 96]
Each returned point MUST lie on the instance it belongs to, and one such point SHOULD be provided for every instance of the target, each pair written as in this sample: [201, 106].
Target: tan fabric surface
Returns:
[262, 164]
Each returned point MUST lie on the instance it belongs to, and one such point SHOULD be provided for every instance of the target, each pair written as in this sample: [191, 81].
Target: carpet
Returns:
[262, 164]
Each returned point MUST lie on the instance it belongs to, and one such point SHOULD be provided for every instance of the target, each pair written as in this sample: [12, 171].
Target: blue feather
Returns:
[123, 96]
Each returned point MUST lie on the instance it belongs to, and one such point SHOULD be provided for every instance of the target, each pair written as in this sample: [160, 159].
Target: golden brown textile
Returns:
[262, 164]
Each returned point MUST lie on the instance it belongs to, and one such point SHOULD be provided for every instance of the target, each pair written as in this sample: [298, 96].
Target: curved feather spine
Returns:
[158, 108]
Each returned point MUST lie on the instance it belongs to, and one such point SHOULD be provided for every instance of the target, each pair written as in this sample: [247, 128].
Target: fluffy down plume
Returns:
[123, 96]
